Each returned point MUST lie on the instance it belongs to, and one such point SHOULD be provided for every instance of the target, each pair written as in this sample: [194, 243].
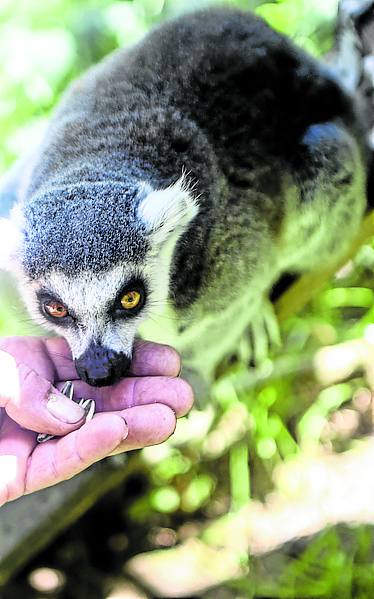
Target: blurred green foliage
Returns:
[45, 45]
[221, 458]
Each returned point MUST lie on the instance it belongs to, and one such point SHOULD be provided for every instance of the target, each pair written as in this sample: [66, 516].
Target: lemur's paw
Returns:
[263, 336]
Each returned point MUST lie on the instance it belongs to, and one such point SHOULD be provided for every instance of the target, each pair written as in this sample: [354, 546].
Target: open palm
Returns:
[139, 411]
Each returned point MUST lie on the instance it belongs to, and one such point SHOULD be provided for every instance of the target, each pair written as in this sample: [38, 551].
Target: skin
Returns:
[139, 411]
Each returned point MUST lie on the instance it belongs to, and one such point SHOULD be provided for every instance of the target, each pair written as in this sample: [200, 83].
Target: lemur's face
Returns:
[99, 314]
[96, 286]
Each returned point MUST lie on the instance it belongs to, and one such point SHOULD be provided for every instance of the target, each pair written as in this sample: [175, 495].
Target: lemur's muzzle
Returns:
[100, 366]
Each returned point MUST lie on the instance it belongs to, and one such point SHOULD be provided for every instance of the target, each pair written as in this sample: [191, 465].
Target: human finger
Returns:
[60, 459]
[147, 425]
[34, 467]
[173, 392]
[154, 359]
[33, 402]
[16, 445]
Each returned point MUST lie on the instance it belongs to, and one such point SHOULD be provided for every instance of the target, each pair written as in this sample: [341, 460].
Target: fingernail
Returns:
[64, 409]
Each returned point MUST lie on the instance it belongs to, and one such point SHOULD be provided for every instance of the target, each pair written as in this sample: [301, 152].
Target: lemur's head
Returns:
[94, 261]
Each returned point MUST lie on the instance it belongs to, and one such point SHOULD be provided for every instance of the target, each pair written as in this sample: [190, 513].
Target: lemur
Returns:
[174, 184]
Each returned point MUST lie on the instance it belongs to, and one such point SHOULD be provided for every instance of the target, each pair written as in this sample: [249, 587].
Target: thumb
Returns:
[33, 402]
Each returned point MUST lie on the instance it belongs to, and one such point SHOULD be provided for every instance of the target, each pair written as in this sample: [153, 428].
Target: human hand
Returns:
[138, 411]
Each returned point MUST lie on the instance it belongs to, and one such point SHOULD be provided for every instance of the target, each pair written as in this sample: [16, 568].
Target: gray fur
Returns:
[269, 145]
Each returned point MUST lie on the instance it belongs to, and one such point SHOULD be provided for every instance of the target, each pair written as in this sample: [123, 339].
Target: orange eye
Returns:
[130, 300]
[55, 309]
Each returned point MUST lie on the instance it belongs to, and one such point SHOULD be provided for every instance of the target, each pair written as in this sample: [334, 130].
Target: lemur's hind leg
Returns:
[321, 219]
[326, 213]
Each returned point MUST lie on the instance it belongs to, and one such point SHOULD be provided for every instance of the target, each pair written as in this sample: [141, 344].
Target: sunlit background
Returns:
[253, 496]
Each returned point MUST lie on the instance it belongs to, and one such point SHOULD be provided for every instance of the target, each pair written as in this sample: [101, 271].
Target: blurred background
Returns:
[266, 493]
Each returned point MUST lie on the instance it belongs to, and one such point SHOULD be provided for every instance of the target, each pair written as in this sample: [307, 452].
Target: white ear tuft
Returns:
[169, 210]
[9, 242]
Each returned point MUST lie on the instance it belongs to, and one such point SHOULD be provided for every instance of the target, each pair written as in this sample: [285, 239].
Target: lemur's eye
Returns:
[131, 299]
[55, 309]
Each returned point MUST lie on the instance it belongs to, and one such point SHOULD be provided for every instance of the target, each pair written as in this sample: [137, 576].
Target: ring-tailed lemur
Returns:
[176, 181]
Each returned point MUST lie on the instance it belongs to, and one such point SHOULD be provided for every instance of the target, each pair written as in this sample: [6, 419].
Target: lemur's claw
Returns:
[68, 389]
[88, 405]
[263, 336]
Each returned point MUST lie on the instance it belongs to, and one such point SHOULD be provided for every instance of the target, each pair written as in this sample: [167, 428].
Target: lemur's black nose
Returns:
[100, 366]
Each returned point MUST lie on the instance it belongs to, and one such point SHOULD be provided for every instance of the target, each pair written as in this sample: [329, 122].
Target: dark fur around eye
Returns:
[117, 311]
[44, 298]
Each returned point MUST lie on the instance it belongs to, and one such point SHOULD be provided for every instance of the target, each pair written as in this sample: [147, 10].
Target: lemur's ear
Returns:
[168, 211]
[10, 238]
